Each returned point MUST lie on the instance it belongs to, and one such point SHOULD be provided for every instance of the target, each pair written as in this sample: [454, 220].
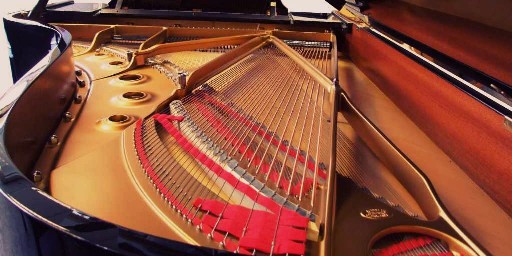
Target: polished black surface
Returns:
[16, 237]
[25, 52]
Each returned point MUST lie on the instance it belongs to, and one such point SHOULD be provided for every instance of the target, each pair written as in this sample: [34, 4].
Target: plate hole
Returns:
[130, 77]
[116, 63]
[134, 95]
[118, 118]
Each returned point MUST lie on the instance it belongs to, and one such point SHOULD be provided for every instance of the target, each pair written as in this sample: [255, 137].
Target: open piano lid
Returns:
[269, 10]
[471, 47]
[474, 45]
[270, 7]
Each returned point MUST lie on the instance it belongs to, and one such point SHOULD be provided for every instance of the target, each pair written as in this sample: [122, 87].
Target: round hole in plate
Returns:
[118, 118]
[116, 63]
[130, 77]
[134, 95]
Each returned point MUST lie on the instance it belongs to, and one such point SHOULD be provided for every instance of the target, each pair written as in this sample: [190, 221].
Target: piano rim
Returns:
[43, 208]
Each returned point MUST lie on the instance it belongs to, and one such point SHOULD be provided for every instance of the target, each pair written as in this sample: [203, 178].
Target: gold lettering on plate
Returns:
[376, 214]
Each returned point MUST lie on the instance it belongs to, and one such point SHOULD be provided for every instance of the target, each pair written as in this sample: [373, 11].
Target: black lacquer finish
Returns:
[24, 54]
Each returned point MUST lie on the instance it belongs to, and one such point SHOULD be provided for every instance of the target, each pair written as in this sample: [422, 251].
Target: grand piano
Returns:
[258, 127]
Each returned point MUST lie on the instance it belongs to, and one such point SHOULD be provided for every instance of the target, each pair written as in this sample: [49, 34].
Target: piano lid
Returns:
[452, 35]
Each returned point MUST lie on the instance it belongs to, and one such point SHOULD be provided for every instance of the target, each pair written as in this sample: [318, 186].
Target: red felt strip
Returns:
[146, 164]
[256, 129]
[438, 254]
[260, 226]
[250, 154]
[229, 244]
[231, 216]
[205, 160]
[405, 246]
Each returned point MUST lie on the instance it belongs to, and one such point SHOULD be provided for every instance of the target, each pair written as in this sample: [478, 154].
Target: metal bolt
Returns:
[182, 79]
[54, 140]
[37, 176]
[129, 55]
[78, 99]
[81, 83]
[67, 117]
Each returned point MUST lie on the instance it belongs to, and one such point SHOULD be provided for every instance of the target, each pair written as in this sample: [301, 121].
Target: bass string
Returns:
[296, 123]
[351, 167]
[281, 102]
[257, 195]
[219, 137]
[219, 219]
